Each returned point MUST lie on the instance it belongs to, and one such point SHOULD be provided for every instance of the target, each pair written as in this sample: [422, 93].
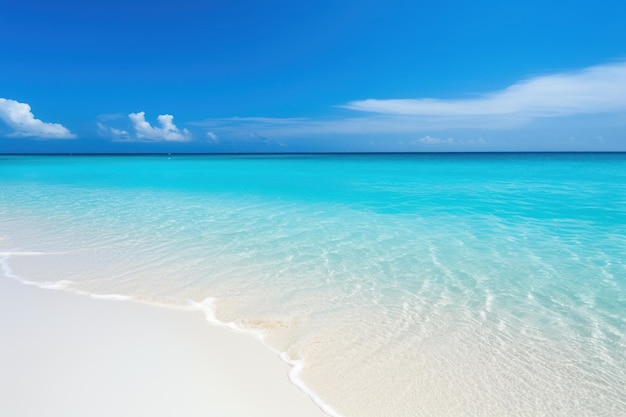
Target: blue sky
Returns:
[285, 76]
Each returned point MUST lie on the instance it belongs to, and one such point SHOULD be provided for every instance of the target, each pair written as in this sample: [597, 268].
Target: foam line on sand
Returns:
[68, 355]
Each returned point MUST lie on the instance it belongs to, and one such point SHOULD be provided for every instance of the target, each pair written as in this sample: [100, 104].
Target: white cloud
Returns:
[594, 90]
[19, 117]
[119, 133]
[598, 89]
[430, 140]
[212, 136]
[167, 132]
[435, 141]
[362, 125]
[116, 134]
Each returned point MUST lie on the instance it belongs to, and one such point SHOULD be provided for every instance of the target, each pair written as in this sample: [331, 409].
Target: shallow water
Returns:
[400, 285]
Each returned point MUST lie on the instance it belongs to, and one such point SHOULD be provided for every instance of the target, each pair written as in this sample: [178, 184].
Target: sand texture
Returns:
[63, 354]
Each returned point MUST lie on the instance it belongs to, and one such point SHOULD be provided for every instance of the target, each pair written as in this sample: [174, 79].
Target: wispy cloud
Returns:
[597, 89]
[431, 140]
[435, 141]
[594, 90]
[111, 132]
[19, 117]
[355, 125]
[212, 136]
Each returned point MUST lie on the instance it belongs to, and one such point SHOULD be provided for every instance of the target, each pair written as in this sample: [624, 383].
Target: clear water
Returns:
[399, 285]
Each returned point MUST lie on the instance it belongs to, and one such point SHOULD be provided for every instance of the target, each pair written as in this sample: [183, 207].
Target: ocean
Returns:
[395, 284]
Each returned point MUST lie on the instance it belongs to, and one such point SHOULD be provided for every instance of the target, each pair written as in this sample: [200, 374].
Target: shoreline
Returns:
[64, 354]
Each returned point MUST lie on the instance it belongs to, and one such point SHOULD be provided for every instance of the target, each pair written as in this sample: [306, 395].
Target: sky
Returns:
[316, 76]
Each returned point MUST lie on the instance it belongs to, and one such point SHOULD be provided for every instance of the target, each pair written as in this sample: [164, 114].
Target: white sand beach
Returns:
[63, 354]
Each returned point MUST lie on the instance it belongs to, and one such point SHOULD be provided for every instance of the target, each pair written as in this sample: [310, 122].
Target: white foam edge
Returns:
[294, 376]
[207, 306]
[51, 285]
[8, 272]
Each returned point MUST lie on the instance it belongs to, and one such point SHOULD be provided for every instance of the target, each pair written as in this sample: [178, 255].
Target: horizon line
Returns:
[297, 153]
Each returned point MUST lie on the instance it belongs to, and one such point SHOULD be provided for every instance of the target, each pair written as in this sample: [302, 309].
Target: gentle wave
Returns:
[206, 306]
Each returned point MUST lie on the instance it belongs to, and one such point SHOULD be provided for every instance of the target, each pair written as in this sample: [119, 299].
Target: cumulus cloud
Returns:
[597, 89]
[167, 132]
[19, 117]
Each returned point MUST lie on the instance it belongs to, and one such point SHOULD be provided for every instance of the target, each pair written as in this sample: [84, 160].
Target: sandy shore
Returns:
[63, 354]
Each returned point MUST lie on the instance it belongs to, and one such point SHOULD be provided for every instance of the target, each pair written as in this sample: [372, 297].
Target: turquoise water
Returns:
[397, 285]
